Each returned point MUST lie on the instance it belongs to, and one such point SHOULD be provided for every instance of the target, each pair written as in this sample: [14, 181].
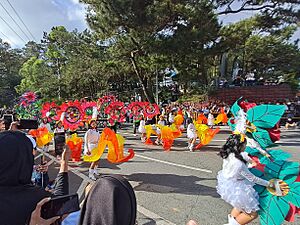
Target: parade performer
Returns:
[46, 125]
[235, 182]
[210, 120]
[91, 139]
[59, 137]
[257, 125]
[222, 117]
[142, 129]
[191, 134]
[202, 119]
[172, 115]
[161, 122]
[59, 128]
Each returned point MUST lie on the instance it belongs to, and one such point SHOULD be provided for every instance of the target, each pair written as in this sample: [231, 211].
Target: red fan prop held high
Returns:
[51, 110]
[73, 115]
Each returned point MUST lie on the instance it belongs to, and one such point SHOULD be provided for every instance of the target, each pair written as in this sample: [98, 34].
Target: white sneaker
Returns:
[191, 148]
[156, 142]
[188, 147]
[96, 172]
[92, 175]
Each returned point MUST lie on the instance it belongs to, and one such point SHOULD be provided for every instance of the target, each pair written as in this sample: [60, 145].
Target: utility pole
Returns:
[59, 77]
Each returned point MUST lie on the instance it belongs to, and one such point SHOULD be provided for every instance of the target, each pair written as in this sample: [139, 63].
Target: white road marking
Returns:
[38, 156]
[158, 219]
[81, 188]
[173, 164]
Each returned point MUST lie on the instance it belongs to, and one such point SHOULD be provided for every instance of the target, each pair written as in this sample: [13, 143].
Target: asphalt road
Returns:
[174, 187]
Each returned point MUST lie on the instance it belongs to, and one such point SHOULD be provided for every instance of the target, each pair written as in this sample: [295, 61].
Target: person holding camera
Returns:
[20, 200]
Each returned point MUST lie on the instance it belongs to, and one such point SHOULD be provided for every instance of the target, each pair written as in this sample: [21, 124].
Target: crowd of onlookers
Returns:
[21, 181]
[249, 79]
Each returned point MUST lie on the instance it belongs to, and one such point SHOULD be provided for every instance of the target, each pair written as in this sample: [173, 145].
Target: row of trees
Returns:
[131, 41]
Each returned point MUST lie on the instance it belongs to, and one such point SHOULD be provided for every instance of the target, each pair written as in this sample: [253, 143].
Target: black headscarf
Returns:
[111, 201]
[18, 198]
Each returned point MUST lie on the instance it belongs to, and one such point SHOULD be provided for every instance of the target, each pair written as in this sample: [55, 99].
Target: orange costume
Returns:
[222, 117]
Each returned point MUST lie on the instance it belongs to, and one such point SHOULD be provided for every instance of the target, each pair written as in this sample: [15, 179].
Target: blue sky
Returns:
[42, 15]
[39, 16]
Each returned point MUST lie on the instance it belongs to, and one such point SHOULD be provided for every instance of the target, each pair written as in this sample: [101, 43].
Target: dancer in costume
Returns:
[59, 137]
[161, 122]
[202, 118]
[172, 115]
[91, 139]
[191, 134]
[235, 182]
[210, 120]
[46, 125]
[142, 129]
[59, 127]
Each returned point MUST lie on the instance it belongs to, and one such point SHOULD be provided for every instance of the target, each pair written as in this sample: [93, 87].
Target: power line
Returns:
[12, 29]
[21, 20]
[15, 21]
[7, 37]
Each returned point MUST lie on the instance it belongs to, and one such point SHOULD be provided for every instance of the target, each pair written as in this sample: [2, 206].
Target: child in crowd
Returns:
[142, 129]
[91, 139]
[191, 134]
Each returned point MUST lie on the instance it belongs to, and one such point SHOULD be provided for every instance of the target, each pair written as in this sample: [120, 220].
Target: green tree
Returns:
[142, 32]
[10, 63]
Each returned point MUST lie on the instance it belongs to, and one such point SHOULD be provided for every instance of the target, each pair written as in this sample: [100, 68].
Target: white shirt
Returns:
[59, 130]
[162, 122]
[91, 139]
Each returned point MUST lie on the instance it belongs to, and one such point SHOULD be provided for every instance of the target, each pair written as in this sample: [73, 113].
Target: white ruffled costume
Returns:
[191, 131]
[235, 184]
[142, 129]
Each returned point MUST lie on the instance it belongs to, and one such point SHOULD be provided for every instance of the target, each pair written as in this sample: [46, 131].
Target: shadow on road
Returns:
[171, 183]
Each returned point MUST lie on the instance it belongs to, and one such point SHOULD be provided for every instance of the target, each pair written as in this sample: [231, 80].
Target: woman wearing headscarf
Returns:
[111, 201]
[18, 197]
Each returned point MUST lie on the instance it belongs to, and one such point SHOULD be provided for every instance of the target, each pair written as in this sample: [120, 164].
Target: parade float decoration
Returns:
[115, 144]
[259, 124]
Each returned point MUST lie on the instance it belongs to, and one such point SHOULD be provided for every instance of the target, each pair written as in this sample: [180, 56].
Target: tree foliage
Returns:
[133, 42]
[10, 63]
